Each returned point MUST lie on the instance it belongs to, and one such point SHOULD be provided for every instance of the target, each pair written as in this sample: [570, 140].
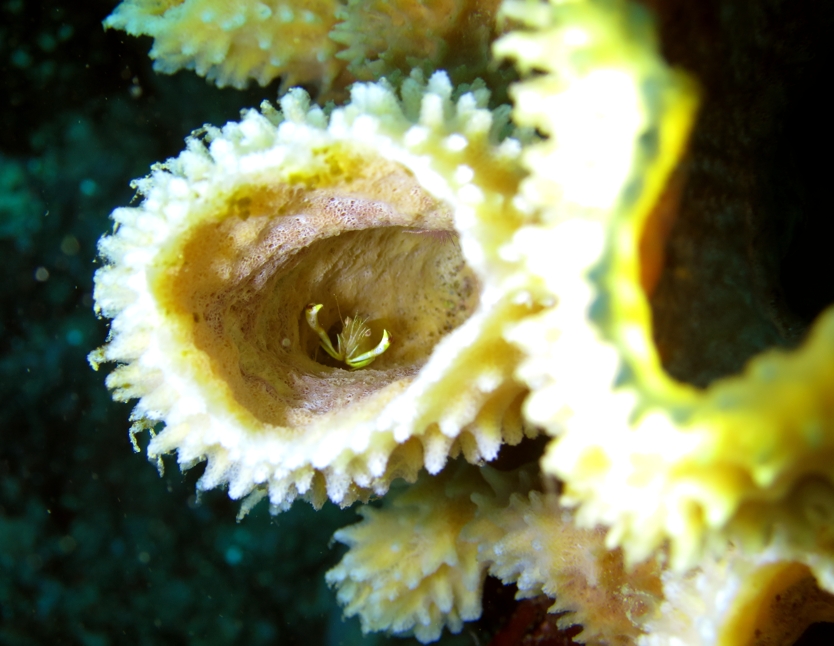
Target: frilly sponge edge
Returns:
[393, 210]
[650, 457]
[323, 42]
[410, 567]
[417, 562]
[736, 599]
[381, 36]
[498, 269]
[533, 541]
[233, 42]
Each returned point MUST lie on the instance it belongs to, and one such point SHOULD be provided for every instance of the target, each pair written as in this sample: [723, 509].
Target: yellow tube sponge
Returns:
[388, 210]
[534, 543]
[738, 601]
[381, 37]
[233, 42]
[651, 457]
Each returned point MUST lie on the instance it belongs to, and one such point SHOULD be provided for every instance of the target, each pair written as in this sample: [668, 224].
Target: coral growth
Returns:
[232, 42]
[409, 567]
[381, 37]
[325, 43]
[418, 562]
[738, 599]
[534, 543]
[662, 460]
[389, 210]
[320, 301]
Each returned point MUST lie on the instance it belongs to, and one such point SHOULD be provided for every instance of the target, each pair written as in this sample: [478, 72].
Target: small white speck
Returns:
[464, 174]
[415, 136]
[455, 143]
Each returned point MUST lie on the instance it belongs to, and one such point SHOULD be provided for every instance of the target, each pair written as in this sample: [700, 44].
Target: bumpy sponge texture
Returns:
[392, 210]
[534, 542]
[650, 457]
[381, 37]
[416, 563]
[326, 43]
[409, 568]
[759, 600]
[233, 42]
